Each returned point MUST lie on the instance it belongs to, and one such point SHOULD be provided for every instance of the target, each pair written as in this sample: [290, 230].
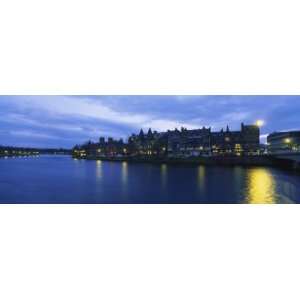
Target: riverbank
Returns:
[17, 155]
[8, 151]
[246, 161]
[254, 160]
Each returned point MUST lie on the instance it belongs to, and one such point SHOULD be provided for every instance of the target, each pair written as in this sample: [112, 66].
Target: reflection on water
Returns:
[64, 180]
[164, 174]
[98, 169]
[201, 177]
[124, 180]
[261, 187]
[124, 173]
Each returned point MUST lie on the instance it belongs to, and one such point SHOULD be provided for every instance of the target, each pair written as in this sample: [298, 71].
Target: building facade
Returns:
[178, 143]
[205, 142]
[286, 141]
[148, 144]
[103, 148]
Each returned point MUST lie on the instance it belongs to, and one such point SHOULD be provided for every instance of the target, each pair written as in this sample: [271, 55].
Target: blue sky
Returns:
[63, 121]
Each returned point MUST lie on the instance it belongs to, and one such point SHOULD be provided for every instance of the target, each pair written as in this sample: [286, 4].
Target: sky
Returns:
[64, 121]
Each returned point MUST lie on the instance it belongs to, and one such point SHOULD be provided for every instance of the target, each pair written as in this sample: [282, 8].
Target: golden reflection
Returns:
[201, 177]
[261, 187]
[99, 169]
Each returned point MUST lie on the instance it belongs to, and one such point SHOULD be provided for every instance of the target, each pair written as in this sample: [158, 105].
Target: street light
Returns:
[260, 123]
[287, 140]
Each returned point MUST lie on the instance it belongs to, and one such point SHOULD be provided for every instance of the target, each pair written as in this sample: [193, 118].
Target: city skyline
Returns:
[63, 121]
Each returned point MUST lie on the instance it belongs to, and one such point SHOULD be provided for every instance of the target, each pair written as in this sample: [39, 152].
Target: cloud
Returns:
[68, 120]
[164, 125]
[31, 134]
[84, 107]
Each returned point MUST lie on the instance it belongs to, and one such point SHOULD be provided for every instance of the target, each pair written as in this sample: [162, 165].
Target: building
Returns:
[186, 142]
[109, 148]
[243, 142]
[149, 144]
[178, 143]
[286, 141]
[205, 142]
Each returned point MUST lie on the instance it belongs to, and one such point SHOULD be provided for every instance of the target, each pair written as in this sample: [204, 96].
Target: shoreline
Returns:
[244, 161]
[229, 161]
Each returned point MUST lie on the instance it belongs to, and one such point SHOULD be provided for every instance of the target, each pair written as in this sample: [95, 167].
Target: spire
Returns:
[227, 128]
[150, 134]
[141, 133]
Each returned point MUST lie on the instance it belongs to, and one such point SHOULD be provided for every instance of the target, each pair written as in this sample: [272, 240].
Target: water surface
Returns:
[61, 179]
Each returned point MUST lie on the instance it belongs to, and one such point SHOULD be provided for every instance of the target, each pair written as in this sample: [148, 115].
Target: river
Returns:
[62, 179]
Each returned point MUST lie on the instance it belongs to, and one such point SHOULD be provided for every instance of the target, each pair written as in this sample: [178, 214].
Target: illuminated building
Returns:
[205, 142]
[179, 143]
[286, 141]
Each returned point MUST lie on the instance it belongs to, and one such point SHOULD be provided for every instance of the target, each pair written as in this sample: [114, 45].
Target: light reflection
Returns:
[261, 187]
[201, 177]
[124, 180]
[124, 173]
[164, 174]
[99, 169]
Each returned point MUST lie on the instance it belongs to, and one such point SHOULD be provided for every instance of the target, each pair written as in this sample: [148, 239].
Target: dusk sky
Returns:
[63, 121]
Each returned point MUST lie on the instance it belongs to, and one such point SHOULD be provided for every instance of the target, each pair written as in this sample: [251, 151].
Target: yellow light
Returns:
[287, 140]
[260, 123]
[261, 187]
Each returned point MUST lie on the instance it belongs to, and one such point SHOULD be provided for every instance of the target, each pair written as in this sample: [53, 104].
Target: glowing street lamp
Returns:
[287, 140]
[260, 123]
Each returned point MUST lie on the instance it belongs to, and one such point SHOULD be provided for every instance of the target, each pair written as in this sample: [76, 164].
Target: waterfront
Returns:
[61, 179]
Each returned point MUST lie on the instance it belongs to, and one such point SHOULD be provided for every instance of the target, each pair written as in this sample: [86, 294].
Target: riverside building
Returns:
[178, 143]
[285, 141]
[205, 142]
